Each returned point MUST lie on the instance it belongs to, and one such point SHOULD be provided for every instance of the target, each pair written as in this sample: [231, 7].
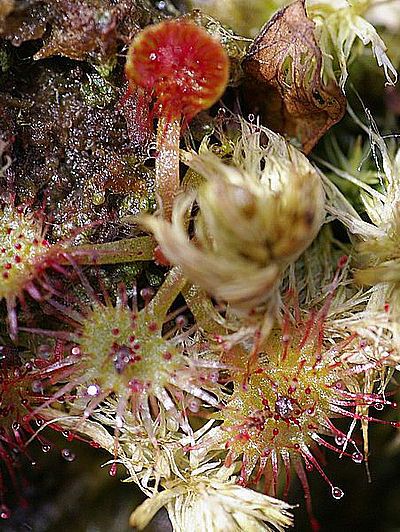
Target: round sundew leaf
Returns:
[181, 64]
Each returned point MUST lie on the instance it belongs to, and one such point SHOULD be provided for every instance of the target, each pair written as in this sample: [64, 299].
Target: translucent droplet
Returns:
[15, 425]
[181, 321]
[251, 117]
[152, 151]
[4, 512]
[113, 470]
[357, 457]
[214, 376]
[44, 352]
[378, 406]
[39, 422]
[152, 56]
[93, 390]
[37, 387]
[339, 439]
[337, 493]
[309, 467]
[68, 455]
[147, 293]
[46, 448]
[194, 405]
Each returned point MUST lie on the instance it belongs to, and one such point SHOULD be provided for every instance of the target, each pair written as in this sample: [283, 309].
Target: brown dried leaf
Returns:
[81, 27]
[6, 6]
[284, 69]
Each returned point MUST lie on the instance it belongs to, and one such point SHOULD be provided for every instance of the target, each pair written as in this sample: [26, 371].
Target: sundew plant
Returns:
[199, 262]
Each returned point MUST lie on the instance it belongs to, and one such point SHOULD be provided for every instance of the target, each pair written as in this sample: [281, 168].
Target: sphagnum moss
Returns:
[215, 388]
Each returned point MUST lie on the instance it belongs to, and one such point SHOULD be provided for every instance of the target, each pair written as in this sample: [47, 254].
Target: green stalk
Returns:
[128, 250]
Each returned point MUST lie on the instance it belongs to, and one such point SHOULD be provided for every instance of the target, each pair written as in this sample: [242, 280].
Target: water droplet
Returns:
[37, 387]
[357, 457]
[46, 448]
[15, 426]
[152, 56]
[214, 376]
[378, 406]
[147, 294]
[68, 455]
[44, 352]
[4, 512]
[113, 470]
[194, 405]
[251, 117]
[181, 321]
[309, 467]
[39, 422]
[339, 439]
[152, 151]
[93, 390]
[337, 493]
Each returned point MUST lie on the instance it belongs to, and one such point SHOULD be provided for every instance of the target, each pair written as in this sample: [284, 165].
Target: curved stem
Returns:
[167, 163]
[128, 250]
[167, 293]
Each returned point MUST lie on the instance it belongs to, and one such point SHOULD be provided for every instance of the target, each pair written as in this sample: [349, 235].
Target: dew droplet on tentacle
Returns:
[337, 493]
[68, 455]
[113, 470]
[339, 439]
[93, 390]
[357, 457]
[5, 512]
[194, 405]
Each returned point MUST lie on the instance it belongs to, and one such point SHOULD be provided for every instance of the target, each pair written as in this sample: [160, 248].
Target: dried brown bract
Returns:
[284, 65]
[6, 6]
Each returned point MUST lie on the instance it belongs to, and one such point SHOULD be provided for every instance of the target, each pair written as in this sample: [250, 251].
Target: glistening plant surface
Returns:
[199, 273]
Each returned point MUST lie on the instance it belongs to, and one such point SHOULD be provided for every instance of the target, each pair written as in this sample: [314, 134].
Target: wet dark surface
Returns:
[71, 145]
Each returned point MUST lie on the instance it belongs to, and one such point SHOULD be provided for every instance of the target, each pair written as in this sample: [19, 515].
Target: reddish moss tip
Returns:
[181, 64]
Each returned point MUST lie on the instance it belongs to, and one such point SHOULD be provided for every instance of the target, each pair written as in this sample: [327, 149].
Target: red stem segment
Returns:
[167, 163]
